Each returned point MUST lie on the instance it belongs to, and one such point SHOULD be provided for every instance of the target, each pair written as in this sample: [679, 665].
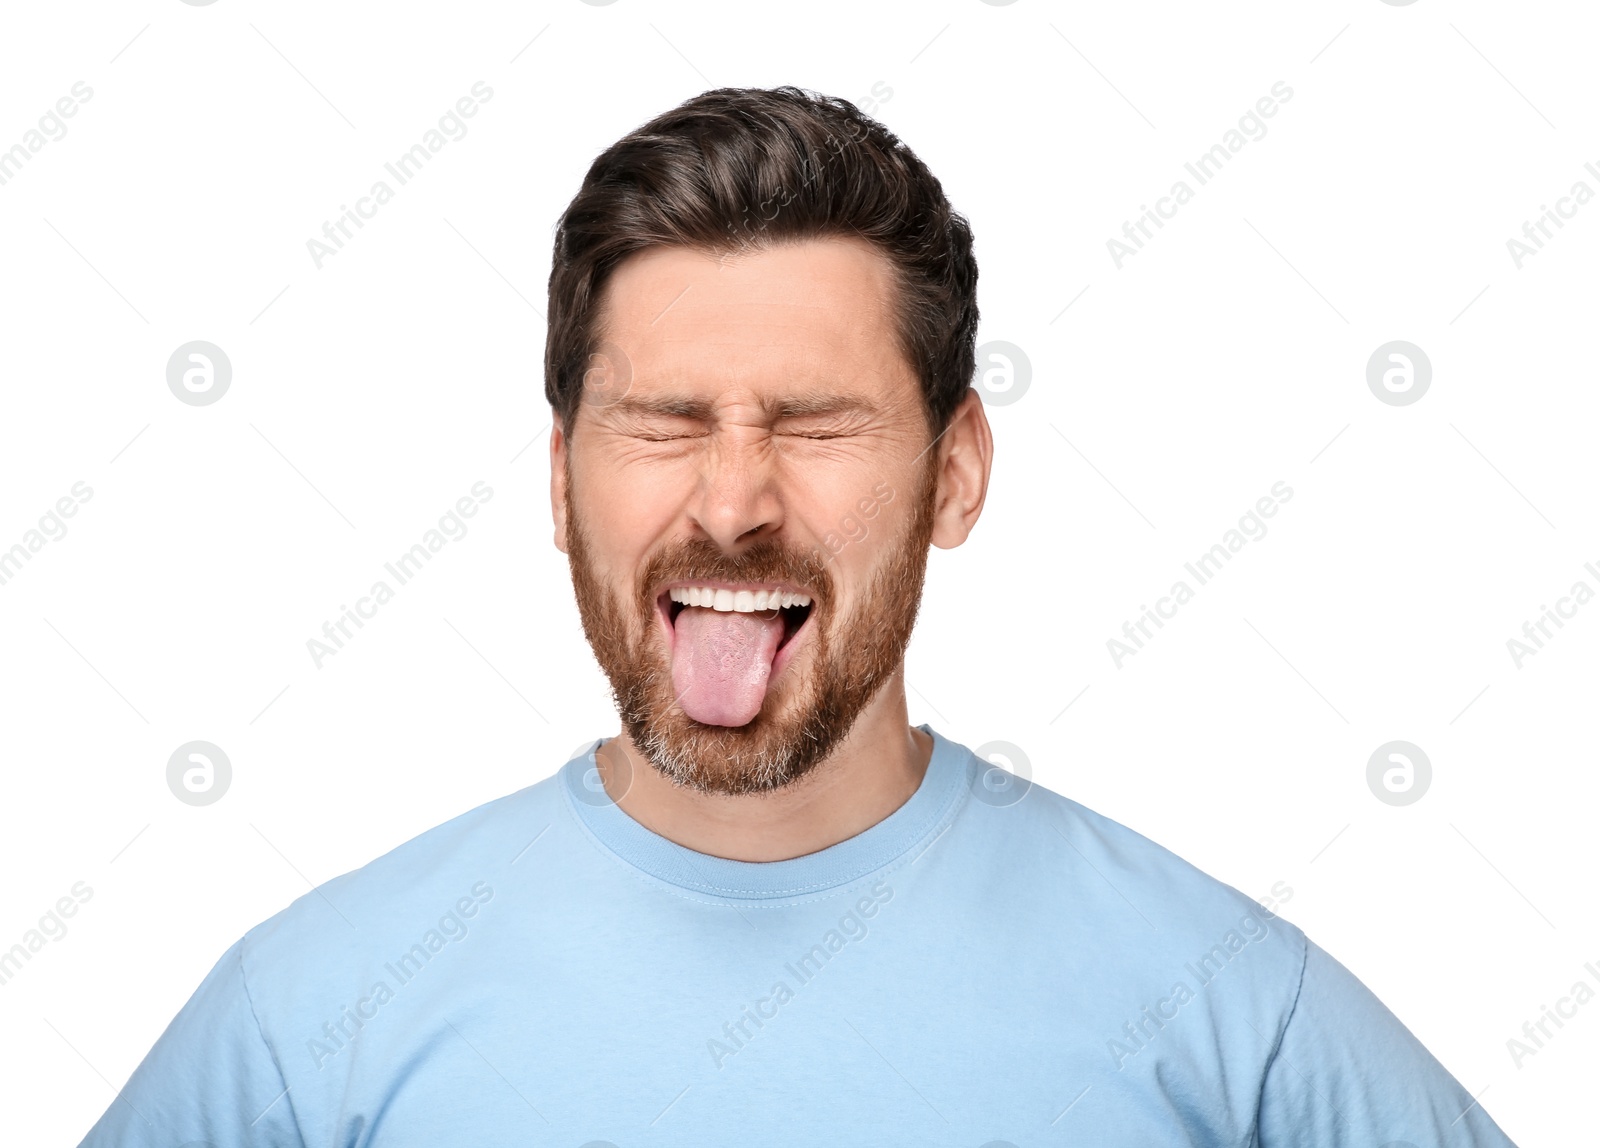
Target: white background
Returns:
[1229, 354]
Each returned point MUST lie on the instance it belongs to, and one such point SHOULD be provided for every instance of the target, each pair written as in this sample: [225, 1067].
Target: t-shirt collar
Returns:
[922, 816]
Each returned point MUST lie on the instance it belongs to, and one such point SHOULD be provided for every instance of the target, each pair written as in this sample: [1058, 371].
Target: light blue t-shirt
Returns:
[991, 964]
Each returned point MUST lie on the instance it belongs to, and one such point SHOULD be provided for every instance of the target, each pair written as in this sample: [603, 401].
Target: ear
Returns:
[966, 450]
[558, 481]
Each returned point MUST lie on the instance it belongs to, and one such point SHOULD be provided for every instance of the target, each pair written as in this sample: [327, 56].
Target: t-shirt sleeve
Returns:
[1348, 1074]
[210, 1078]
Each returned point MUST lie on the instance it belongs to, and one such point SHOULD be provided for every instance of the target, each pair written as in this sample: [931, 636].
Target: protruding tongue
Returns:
[721, 661]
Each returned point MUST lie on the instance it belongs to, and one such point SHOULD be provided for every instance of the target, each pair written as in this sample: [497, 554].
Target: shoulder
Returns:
[449, 868]
[1083, 863]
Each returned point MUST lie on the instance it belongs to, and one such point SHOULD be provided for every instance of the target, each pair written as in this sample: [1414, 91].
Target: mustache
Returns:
[701, 560]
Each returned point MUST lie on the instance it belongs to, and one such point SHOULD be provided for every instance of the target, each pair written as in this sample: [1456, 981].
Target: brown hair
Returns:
[736, 168]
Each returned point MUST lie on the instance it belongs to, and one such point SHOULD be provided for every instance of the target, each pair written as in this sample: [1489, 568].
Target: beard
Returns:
[803, 719]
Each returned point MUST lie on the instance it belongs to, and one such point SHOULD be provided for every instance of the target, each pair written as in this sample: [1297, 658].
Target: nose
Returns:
[738, 500]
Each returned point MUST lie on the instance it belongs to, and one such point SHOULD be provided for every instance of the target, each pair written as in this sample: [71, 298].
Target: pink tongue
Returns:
[721, 661]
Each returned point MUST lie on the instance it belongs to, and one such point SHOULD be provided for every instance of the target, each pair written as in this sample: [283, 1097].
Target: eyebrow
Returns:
[687, 408]
[800, 406]
[702, 410]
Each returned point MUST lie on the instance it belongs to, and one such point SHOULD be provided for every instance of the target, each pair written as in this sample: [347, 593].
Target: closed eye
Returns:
[666, 436]
[668, 428]
[821, 429]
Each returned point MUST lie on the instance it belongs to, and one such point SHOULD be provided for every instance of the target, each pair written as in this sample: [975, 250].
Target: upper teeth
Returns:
[739, 601]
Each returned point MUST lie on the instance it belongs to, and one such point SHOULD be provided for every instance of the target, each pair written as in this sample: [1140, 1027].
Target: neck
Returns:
[870, 774]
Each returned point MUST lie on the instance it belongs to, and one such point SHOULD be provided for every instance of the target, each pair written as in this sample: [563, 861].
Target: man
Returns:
[769, 911]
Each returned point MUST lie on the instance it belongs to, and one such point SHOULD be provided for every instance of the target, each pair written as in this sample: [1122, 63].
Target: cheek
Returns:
[828, 493]
[621, 520]
[858, 539]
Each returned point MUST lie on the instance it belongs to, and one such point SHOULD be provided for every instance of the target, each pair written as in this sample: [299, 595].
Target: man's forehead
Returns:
[802, 287]
[798, 328]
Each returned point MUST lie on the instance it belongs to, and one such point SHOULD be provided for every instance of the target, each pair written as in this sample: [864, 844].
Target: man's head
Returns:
[762, 317]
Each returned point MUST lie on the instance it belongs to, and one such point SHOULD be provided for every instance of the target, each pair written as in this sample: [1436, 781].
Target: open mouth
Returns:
[727, 642]
[792, 607]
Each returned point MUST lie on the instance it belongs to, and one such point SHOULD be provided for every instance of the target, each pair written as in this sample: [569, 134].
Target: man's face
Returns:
[746, 495]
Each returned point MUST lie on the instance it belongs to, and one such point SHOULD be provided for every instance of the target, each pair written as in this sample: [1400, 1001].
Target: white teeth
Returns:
[736, 601]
